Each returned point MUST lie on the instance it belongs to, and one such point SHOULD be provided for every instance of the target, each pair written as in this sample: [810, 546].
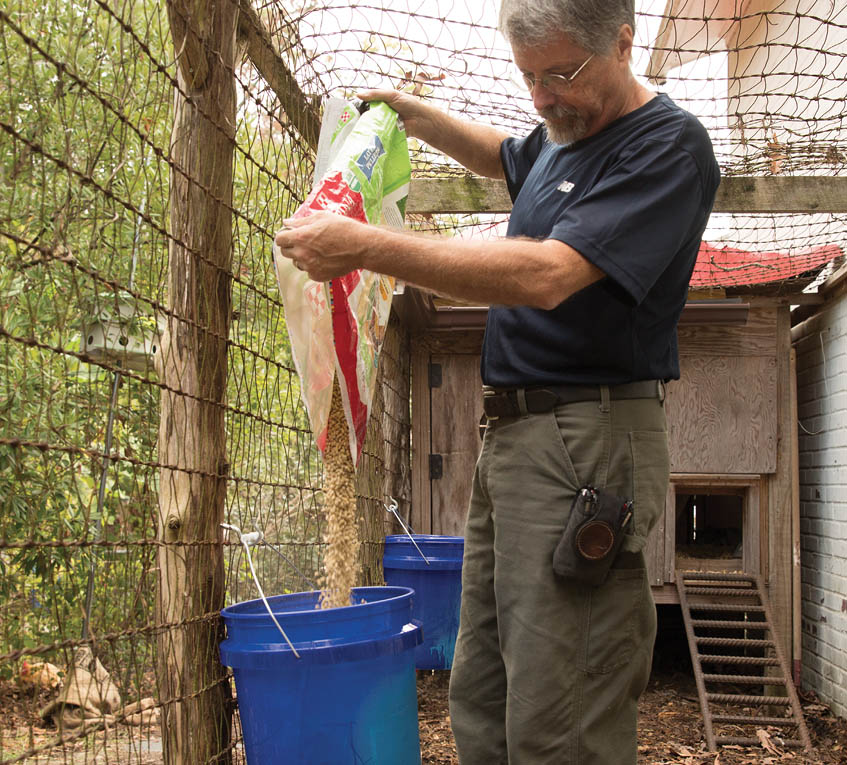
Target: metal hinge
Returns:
[435, 375]
[436, 467]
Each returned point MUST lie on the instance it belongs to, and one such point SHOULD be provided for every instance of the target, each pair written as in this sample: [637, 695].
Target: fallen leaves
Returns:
[767, 742]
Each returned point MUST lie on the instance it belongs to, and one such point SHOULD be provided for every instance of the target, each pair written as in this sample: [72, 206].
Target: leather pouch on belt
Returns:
[592, 537]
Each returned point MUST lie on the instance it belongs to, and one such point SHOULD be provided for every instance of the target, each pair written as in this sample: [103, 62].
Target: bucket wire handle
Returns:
[290, 563]
[392, 508]
[248, 540]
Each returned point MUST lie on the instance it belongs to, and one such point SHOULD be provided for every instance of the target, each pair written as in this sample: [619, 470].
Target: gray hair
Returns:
[591, 24]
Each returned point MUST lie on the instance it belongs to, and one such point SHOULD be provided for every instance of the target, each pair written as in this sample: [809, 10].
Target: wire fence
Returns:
[98, 108]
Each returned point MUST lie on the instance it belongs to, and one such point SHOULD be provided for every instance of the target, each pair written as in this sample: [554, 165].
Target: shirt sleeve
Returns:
[518, 156]
[638, 216]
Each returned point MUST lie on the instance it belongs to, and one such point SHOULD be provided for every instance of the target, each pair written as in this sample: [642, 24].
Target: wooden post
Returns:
[796, 566]
[384, 468]
[192, 684]
[370, 488]
[780, 554]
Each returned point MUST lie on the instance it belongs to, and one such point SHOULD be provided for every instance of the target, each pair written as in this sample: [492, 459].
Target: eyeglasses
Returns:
[557, 84]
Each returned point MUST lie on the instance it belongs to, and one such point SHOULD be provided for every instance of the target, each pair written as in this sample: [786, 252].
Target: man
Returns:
[611, 196]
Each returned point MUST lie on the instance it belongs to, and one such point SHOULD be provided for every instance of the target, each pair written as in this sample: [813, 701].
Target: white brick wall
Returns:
[822, 408]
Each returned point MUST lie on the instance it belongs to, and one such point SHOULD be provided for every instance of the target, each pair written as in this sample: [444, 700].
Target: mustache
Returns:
[559, 112]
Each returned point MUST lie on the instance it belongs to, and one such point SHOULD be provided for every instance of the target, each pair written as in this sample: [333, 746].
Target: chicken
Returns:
[40, 675]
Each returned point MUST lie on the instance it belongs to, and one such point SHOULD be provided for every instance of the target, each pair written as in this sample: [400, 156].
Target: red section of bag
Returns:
[333, 194]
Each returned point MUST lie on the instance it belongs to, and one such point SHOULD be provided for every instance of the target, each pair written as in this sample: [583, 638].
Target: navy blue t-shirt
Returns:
[634, 200]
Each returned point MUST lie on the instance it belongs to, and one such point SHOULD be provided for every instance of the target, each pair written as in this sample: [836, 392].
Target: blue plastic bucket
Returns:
[437, 586]
[350, 697]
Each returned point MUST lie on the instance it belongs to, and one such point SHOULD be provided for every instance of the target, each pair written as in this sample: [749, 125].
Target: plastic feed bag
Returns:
[338, 327]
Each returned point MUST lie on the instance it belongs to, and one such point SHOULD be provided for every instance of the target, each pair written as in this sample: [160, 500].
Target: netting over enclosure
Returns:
[766, 78]
[147, 390]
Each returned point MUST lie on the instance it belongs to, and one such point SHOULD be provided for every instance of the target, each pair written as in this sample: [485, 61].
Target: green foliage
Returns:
[86, 94]
[82, 207]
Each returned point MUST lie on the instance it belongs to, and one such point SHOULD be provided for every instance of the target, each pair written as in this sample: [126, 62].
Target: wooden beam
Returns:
[715, 481]
[419, 311]
[782, 194]
[736, 194]
[463, 194]
[263, 55]
[797, 298]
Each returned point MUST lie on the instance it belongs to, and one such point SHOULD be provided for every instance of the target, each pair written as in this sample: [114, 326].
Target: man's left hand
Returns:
[324, 245]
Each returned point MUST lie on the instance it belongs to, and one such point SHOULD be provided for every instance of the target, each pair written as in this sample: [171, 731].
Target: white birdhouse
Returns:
[121, 335]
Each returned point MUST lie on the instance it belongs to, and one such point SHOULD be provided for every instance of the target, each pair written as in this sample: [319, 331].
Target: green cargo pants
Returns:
[548, 672]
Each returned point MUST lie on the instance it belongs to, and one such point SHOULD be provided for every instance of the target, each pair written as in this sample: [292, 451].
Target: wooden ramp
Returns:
[728, 624]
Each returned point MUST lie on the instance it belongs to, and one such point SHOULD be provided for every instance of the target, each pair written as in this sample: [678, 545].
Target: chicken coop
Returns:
[731, 503]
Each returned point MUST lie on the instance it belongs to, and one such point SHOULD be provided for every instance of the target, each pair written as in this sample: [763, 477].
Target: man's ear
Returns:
[624, 44]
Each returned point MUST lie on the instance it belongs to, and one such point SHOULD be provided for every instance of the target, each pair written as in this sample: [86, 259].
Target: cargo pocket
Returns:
[650, 475]
[616, 611]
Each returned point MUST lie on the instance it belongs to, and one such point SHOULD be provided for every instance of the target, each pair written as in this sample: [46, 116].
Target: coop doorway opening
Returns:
[716, 527]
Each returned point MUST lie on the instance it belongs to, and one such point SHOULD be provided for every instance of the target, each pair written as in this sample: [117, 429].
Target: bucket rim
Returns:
[239, 611]
[241, 655]
[427, 538]
[428, 552]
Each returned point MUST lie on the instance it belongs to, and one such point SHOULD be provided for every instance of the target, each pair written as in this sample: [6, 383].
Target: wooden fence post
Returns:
[196, 699]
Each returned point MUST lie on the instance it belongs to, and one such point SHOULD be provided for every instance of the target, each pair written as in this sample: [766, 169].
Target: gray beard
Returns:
[564, 125]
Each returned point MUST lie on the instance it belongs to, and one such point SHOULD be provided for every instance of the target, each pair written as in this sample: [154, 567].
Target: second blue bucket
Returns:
[437, 586]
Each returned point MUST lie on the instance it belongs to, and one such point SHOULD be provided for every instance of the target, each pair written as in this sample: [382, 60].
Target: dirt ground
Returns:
[25, 738]
[670, 726]
[670, 730]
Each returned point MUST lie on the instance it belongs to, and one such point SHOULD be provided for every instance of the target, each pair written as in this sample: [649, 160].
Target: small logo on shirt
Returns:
[565, 186]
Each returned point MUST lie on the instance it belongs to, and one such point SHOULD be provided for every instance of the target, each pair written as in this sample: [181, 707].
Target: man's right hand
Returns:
[474, 145]
[412, 110]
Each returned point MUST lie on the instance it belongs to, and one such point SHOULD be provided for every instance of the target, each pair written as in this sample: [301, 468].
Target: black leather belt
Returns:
[506, 403]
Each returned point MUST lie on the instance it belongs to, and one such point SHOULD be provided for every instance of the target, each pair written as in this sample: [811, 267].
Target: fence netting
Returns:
[92, 173]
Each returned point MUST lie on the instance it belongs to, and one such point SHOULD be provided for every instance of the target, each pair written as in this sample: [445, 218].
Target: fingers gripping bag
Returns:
[337, 327]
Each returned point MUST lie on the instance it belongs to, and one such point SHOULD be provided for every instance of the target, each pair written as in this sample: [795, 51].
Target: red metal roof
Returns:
[729, 266]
